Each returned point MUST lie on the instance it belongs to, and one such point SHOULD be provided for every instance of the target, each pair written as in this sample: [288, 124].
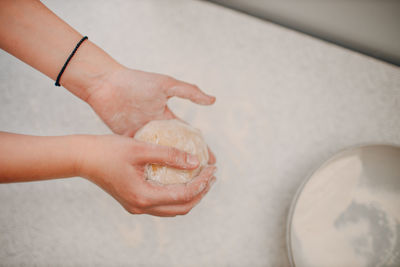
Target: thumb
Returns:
[164, 155]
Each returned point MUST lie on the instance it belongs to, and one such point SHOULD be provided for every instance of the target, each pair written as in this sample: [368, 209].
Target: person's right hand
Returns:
[127, 99]
[117, 164]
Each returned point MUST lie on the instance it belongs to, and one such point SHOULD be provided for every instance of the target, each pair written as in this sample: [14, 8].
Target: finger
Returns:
[211, 157]
[168, 114]
[173, 210]
[130, 133]
[178, 193]
[191, 92]
[170, 156]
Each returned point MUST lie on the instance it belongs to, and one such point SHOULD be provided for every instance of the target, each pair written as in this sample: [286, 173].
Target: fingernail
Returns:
[212, 98]
[192, 160]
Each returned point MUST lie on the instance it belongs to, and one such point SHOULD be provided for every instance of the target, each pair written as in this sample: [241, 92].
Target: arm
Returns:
[125, 99]
[115, 163]
[35, 35]
[28, 158]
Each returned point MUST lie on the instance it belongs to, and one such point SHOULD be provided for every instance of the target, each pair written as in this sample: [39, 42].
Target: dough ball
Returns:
[173, 133]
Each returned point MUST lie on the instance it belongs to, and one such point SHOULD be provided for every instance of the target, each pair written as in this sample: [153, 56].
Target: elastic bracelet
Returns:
[69, 59]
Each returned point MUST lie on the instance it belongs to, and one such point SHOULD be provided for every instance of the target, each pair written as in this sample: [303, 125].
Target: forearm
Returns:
[35, 35]
[30, 158]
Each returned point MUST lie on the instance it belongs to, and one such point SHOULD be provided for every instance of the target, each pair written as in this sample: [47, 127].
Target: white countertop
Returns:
[285, 102]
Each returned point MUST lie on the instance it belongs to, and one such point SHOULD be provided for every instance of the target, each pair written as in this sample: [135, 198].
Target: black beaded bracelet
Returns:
[68, 60]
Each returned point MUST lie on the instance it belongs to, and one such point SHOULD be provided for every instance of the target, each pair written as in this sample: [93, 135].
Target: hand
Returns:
[127, 99]
[117, 164]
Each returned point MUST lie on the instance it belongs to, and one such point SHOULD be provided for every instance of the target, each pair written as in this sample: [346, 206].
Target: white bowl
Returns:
[347, 212]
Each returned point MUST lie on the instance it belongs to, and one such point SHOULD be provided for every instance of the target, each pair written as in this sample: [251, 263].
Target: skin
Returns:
[125, 99]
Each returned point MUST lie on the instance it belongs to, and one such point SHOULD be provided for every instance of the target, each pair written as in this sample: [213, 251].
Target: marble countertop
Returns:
[285, 103]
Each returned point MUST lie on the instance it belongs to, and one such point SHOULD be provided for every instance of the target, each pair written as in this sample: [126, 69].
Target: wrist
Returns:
[89, 67]
[84, 145]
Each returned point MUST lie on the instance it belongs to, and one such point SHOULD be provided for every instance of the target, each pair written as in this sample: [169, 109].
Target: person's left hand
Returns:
[127, 99]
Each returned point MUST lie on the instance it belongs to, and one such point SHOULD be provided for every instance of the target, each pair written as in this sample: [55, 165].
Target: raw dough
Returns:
[173, 133]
